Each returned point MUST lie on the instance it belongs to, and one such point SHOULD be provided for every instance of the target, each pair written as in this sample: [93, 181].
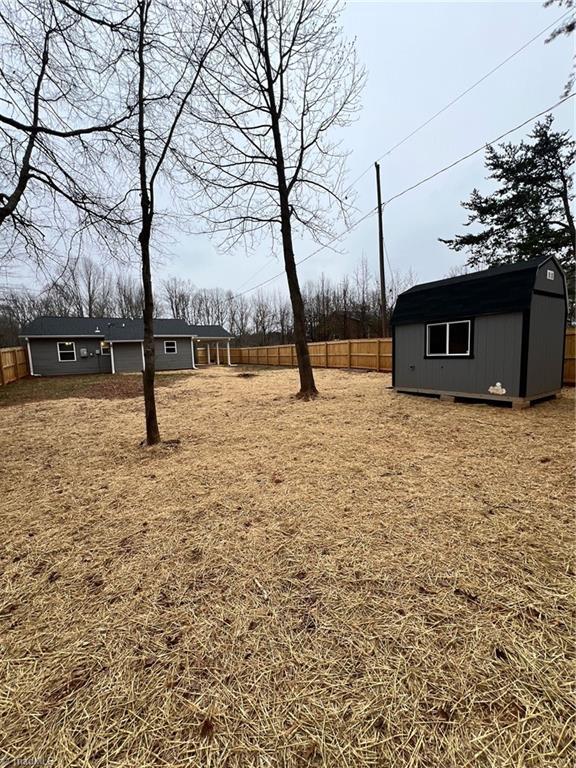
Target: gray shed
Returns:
[497, 334]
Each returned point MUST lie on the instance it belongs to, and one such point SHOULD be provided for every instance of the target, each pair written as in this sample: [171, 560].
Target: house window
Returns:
[170, 348]
[66, 351]
[448, 339]
[105, 348]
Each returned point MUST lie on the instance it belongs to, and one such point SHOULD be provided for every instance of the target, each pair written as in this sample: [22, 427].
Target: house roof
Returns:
[491, 291]
[118, 329]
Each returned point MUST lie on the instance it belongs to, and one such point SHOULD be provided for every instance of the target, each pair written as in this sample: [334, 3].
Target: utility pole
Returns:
[383, 307]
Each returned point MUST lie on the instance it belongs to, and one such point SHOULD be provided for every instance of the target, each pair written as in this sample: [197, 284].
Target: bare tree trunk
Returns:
[147, 207]
[149, 372]
[307, 383]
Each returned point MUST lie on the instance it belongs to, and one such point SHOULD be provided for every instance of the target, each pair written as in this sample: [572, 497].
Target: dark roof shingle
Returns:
[118, 329]
[492, 291]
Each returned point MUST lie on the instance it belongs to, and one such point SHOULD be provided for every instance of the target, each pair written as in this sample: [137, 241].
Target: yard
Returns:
[369, 579]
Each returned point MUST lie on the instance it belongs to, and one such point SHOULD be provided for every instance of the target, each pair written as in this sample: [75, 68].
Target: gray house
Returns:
[496, 334]
[84, 345]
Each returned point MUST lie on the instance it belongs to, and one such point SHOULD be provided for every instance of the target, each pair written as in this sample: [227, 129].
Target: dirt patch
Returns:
[98, 387]
[369, 579]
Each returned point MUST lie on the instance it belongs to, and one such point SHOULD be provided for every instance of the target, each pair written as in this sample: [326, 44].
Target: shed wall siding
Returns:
[128, 357]
[546, 346]
[542, 283]
[182, 359]
[45, 358]
[497, 342]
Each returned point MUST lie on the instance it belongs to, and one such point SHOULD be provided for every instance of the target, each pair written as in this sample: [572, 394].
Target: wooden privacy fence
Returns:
[366, 354]
[13, 364]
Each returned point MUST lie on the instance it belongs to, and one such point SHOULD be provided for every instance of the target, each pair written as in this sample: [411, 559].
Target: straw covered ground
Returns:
[369, 579]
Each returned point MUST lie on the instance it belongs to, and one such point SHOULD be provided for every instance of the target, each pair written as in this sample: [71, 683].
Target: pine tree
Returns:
[528, 215]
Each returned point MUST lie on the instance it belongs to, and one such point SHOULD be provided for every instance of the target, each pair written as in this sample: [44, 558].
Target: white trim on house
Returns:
[192, 352]
[207, 353]
[143, 358]
[228, 354]
[65, 336]
[213, 338]
[172, 351]
[73, 350]
[112, 357]
[217, 353]
[30, 366]
[447, 352]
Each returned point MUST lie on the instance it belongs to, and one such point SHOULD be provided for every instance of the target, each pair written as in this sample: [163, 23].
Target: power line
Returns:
[409, 136]
[310, 255]
[479, 149]
[458, 97]
[372, 211]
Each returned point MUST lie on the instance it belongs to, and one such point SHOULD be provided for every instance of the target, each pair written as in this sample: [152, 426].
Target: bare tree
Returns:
[262, 317]
[172, 50]
[129, 297]
[178, 294]
[59, 114]
[168, 47]
[278, 84]
[239, 316]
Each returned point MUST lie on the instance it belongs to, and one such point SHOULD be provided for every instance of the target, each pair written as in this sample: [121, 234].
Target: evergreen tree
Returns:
[528, 215]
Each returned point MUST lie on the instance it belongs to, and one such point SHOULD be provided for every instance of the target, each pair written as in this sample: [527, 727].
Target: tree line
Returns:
[334, 309]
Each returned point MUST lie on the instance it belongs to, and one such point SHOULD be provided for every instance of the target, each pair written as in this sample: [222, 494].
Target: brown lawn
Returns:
[370, 579]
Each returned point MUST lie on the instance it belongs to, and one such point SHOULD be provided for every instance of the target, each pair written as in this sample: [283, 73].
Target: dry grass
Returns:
[370, 579]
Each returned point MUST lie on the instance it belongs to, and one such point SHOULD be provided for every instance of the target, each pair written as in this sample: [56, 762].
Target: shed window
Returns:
[448, 339]
[66, 351]
[170, 348]
[105, 348]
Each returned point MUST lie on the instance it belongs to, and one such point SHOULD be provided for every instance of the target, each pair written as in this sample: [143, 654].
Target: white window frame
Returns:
[174, 351]
[446, 353]
[102, 348]
[66, 360]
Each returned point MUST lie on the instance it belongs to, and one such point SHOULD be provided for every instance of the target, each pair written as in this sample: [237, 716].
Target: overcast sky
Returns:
[418, 56]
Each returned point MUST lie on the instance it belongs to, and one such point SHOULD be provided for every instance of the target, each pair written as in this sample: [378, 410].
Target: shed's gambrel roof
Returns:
[491, 291]
[118, 329]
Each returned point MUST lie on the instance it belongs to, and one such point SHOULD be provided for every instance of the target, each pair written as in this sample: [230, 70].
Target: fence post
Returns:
[325, 354]
[2, 382]
[349, 354]
[378, 354]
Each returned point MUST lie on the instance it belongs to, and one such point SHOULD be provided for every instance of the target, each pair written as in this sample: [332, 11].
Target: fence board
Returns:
[363, 354]
[13, 364]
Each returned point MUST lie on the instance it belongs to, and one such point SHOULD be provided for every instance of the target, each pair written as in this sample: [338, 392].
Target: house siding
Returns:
[128, 357]
[497, 342]
[546, 345]
[181, 360]
[45, 361]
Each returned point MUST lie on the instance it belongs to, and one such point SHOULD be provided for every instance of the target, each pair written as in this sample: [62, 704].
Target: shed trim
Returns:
[524, 352]
[463, 356]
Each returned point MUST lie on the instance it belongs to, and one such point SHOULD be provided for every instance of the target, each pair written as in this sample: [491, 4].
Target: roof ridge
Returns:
[517, 266]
